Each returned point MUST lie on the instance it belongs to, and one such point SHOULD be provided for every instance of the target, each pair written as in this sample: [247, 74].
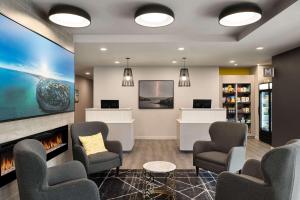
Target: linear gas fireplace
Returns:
[55, 142]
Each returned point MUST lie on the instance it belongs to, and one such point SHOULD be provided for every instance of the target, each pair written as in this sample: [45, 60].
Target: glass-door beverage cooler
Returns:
[265, 112]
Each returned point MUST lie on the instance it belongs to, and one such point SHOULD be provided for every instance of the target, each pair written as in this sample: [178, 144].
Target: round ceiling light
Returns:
[154, 15]
[240, 15]
[69, 16]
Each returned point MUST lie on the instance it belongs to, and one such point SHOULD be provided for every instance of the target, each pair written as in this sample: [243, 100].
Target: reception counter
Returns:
[193, 125]
[119, 121]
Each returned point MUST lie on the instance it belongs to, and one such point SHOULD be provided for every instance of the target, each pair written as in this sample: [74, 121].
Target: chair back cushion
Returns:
[226, 135]
[93, 144]
[281, 169]
[88, 129]
[31, 168]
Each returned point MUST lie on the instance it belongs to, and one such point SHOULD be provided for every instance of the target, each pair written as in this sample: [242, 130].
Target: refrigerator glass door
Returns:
[265, 114]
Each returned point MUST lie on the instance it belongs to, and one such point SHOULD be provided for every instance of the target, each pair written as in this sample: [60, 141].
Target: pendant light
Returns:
[240, 14]
[184, 77]
[154, 15]
[69, 16]
[127, 76]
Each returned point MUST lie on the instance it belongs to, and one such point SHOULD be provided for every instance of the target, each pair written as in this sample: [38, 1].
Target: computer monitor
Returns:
[202, 103]
[109, 104]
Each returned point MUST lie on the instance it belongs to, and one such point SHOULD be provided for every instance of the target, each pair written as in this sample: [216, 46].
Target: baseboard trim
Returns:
[156, 137]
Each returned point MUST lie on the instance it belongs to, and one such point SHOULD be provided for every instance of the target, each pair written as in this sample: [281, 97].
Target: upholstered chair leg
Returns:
[197, 170]
[117, 171]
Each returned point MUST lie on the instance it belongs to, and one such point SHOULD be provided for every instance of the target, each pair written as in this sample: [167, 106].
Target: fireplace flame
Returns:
[7, 165]
[53, 142]
[7, 161]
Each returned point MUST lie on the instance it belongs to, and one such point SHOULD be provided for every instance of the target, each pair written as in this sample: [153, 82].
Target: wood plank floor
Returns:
[167, 150]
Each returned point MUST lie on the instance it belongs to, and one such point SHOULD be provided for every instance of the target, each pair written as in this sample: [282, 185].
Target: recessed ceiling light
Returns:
[259, 48]
[87, 73]
[69, 16]
[154, 15]
[174, 61]
[180, 49]
[117, 62]
[235, 64]
[232, 61]
[103, 49]
[240, 14]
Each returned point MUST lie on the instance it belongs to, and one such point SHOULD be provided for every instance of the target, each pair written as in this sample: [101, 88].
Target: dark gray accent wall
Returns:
[286, 97]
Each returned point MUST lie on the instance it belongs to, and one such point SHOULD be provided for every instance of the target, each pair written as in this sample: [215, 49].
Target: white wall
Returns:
[161, 123]
[24, 12]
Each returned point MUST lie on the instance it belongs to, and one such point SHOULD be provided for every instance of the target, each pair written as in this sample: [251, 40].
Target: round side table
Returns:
[150, 172]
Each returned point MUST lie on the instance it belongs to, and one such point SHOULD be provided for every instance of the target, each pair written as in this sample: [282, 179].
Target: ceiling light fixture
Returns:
[236, 64]
[154, 15]
[103, 49]
[180, 48]
[240, 14]
[259, 48]
[117, 62]
[127, 76]
[174, 61]
[69, 16]
[87, 73]
[184, 77]
[232, 61]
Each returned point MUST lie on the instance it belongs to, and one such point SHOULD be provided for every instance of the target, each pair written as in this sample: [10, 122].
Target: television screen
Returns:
[202, 103]
[36, 74]
[109, 103]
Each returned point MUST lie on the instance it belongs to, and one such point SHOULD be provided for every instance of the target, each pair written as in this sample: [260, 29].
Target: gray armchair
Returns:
[225, 152]
[276, 177]
[36, 181]
[100, 161]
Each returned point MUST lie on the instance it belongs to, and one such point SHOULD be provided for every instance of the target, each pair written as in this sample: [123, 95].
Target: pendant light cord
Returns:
[184, 59]
[127, 62]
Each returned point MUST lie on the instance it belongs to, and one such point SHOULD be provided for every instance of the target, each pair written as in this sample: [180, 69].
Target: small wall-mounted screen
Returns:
[109, 104]
[202, 103]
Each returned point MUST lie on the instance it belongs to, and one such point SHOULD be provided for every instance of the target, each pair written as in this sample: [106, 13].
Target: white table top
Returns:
[159, 167]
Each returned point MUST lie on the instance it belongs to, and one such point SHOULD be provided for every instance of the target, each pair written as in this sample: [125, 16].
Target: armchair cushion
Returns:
[69, 171]
[214, 157]
[93, 144]
[102, 157]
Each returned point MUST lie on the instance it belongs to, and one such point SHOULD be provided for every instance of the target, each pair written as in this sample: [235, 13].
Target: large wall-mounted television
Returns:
[36, 74]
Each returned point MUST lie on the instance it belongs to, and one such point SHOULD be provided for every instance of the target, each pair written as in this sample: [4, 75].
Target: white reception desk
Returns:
[193, 125]
[119, 121]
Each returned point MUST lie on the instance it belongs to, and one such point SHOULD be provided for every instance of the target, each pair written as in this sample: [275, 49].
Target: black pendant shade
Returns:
[184, 76]
[127, 76]
[154, 15]
[69, 16]
[240, 14]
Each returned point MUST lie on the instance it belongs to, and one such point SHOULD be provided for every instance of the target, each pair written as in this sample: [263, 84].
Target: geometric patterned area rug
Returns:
[129, 185]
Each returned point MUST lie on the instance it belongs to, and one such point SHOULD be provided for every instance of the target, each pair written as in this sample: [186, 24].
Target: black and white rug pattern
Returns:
[129, 185]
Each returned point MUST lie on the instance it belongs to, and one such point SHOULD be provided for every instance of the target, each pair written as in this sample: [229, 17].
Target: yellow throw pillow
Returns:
[93, 144]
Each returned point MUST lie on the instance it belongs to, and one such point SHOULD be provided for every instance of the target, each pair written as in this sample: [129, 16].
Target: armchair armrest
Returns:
[236, 159]
[69, 171]
[241, 187]
[74, 190]
[202, 146]
[80, 155]
[115, 147]
[253, 168]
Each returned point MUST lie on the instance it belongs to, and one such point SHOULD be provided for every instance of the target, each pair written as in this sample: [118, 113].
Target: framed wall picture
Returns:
[156, 94]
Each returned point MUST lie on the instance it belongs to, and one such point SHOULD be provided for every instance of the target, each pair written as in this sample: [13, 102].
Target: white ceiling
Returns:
[195, 28]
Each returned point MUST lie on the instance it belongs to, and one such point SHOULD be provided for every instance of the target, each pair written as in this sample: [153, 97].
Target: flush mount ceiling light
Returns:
[259, 48]
[240, 14]
[184, 77]
[127, 76]
[180, 48]
[154, 15]
[69, 16]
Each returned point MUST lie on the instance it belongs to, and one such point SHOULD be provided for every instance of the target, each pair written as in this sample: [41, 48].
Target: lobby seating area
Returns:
[156, 100]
